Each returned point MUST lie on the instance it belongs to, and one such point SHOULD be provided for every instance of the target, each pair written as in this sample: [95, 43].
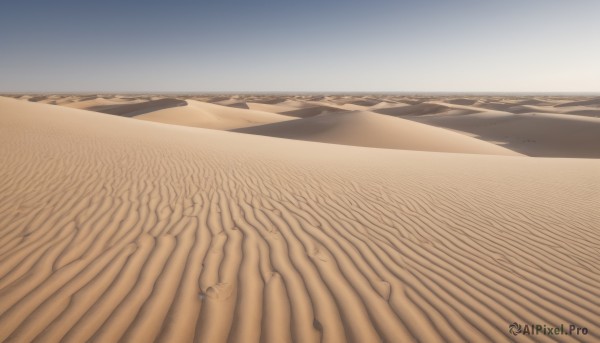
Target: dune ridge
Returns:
[137, 108]
[118, 229]
[369, 129]
[97, 103]
[414, 110]
[212, 116]
[532, 134]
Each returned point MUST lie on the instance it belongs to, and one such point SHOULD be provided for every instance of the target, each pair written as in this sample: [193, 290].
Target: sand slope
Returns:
[588, 102]
[532, 134]
[137, 108]
[312, 111]
[99, 103]
[212, 116]
[273, 108]
[414, 110]
[118, 229]
[375, 130]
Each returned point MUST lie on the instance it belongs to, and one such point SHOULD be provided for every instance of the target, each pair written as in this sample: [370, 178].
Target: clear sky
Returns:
[310, 45]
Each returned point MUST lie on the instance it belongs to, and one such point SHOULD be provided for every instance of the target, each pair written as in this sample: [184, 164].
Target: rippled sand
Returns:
[114, 229]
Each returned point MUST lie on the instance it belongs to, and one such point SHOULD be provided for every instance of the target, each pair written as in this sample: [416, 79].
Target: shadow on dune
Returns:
[130, 110]
[311, 111]
[414, 110]
[591, 102]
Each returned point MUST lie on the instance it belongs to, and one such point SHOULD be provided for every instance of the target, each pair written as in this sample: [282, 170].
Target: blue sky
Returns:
[252, 46]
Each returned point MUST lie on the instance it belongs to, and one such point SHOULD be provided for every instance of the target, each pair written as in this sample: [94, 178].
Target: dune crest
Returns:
[212, 116]
[369, 129]
[137, 108]
[532, 134]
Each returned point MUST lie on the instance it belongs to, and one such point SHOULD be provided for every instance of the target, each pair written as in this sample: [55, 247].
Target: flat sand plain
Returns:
[428, 219]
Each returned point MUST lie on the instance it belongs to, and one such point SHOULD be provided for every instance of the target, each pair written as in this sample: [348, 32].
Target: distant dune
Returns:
[137, 108]
[532, 134]
[273, 108]
[212, 116]
[588, 102]
[463, 101]
[414, 110]
[232, 102]
[99, 103]
[114, 229]
[312, 111]
[545, 126]
[375, 130]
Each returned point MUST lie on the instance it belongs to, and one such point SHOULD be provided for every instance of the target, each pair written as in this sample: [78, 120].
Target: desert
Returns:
[298, 217]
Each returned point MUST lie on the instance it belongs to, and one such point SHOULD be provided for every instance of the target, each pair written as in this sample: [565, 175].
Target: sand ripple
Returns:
[113, 229]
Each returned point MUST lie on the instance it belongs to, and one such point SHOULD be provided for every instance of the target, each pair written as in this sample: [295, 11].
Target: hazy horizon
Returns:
[300, 93]
[466, 47]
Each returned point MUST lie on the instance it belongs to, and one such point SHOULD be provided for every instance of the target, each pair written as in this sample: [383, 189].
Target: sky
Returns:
[300, 46]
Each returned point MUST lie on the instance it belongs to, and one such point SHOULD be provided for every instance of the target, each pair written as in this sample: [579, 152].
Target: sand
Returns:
[273, 108]
[138, 108]
[370, 129]
[117, 229]
[99, 103]
[532, 134]
[212, 116]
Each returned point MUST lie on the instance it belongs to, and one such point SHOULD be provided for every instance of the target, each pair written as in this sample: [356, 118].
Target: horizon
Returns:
[384, 46]
[300, 93]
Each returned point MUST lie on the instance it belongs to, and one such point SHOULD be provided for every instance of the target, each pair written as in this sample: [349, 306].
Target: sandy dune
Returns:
[532, 134]
[426, 109]
[463, 101]
[375, 130]
[212, 116]
[134, 109]
[273, 108]
[99, 103]
[312, 111]
[545, 126]
[587, 102]
[114, 229]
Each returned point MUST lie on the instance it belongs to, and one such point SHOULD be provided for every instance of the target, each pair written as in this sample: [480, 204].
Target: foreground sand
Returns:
[120, 229]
